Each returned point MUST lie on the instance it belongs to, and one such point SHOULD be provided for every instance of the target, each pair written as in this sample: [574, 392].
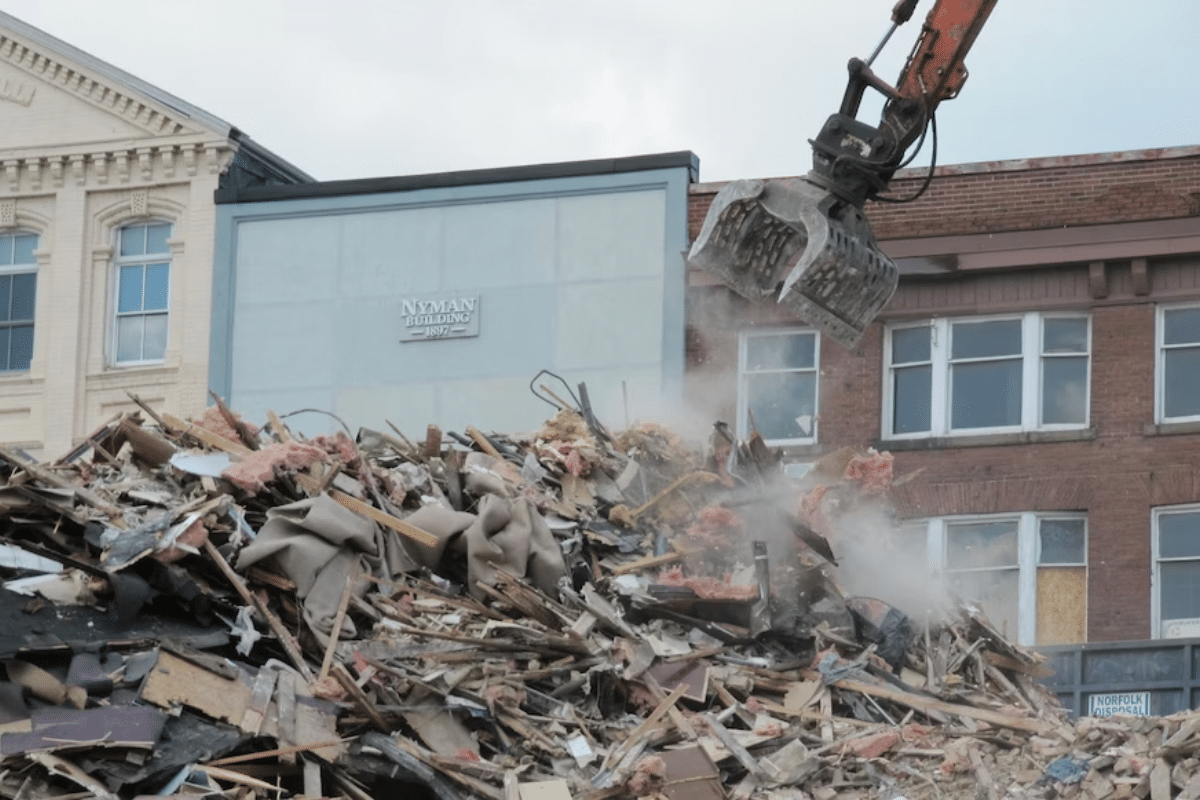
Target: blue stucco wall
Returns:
[581, 275]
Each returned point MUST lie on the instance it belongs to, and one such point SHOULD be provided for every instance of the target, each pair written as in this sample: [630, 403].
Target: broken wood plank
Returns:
[638, 734]
[278, 428]
[928, 704]
[336, 633]
[359, 697]
[260, 697]
[484, 444]
[179, 426]
[116, 514]
[244, 435]
[1038, 671]
[308, 483]
[652, 561]
[735, 749]
[251, 599]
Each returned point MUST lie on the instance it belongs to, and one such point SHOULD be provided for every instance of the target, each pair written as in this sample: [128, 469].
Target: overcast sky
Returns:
[370, 88]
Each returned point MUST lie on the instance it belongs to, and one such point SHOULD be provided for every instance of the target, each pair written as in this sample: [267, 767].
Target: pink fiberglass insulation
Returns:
[648, 778]
[708, 587]
[214, 421]
[872, 472]
[810, 509]
[258, 468]
[339, 446]
[194, 536]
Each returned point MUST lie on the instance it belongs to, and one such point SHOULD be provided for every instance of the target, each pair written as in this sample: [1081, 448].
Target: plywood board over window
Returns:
[1061, 605]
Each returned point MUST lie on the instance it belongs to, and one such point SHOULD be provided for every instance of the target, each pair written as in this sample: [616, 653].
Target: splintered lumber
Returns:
[115, 513]
[308, 483]
[484, 445]
[695, 477]
[243, 432]
[179, 426]
[336, 633]
[651, 561]
[359, 696]
[276, 752]
[735, 749]
[929, 704]
[252, 600]
[637, 736]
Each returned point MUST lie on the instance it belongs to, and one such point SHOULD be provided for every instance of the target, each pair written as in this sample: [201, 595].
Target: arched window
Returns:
[18, 293]
[143, 292]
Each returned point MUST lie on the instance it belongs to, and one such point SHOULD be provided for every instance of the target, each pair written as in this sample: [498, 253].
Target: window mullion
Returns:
[1160, 364]
[935, 552]
[1031, 371]
[939, 422]
[1027, 578]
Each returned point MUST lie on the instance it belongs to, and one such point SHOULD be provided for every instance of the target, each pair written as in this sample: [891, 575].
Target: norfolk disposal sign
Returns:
[438, 317]
[1105, 705]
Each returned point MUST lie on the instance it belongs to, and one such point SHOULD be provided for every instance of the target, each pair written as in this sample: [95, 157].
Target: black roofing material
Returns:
[475, 177]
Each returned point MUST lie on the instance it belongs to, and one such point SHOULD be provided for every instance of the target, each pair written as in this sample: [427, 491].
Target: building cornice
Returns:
[131, 163]
[139, 111]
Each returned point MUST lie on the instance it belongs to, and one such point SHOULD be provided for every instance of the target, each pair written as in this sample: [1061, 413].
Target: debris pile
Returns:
[206, 608]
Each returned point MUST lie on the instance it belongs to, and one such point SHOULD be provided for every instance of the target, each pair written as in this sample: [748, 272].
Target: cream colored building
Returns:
[106, 240]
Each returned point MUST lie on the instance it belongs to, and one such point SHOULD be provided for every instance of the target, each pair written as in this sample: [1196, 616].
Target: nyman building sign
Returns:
[438, 317]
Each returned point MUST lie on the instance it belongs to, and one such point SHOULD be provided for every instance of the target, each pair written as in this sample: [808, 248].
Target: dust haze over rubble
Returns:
[875, 561]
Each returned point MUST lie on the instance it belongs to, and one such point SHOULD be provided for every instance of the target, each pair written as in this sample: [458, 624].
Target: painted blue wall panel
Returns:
[580, 275]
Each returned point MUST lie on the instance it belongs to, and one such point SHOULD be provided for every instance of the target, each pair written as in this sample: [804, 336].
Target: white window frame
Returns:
[1156, 620]
[1032, 356]
[1160, 365]
[28, 268]
[1028, 556]
[115, 314]
[743, 398]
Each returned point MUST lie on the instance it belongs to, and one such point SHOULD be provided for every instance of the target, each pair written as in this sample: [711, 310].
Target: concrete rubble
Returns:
[204, 608]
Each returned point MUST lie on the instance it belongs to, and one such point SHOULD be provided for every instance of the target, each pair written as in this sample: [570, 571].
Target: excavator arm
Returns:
[805, 241]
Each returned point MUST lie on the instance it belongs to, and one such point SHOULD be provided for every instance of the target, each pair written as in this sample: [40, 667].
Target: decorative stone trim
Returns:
[151, 119]
[149, 164]
[100, 164]
[56, 171]
[138, 203]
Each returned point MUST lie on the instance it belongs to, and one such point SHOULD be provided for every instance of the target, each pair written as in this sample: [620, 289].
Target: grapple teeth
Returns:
[776, 238]
[840, 282]
[744, 244]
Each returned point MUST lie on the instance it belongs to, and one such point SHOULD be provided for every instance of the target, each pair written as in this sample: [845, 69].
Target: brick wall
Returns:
[1117, 472]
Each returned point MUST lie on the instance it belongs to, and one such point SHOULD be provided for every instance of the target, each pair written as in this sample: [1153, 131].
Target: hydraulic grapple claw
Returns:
[781, 238]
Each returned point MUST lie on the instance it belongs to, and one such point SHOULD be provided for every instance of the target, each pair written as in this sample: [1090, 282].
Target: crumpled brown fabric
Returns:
[443, 523]
[317, 542]
[511, 535]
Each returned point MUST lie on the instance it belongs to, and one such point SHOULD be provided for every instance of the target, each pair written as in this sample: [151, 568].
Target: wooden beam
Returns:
[309, 483]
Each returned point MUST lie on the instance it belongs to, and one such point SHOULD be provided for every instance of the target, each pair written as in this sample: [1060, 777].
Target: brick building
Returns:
[1038, 370]
[106, 239]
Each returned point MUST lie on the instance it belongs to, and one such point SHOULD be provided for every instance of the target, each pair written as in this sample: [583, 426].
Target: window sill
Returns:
[805, 452]
[1171, 429]
[119, 377]
[987, 440]
[19, 379]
